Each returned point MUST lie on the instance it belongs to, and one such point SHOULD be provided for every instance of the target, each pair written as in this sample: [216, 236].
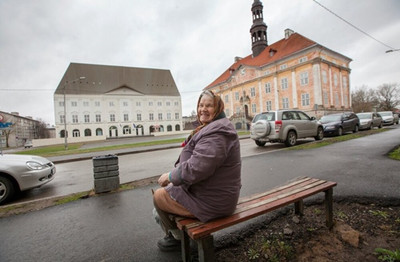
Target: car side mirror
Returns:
[312, 118]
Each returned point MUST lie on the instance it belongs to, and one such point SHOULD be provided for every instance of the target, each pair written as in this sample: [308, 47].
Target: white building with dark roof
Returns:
[116, 101]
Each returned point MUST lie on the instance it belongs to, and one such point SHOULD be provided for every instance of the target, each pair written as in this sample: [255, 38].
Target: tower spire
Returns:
[258, 30]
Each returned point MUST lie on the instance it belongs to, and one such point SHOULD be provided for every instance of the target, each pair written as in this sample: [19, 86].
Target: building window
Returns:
[111, 103]
[237, 96]
[303, 59]
[150, 103]
[97, 103]
[138, 103]
[226, 98]
[76, 133]
[112, 118]
[345, 101]
[74, 118]
[151, 116]
[304, 78]
[326, 98]
[268, 88]
[269, 105]
[284, 66]
[344, 82]
[62, 119]
[252, 92]
[85, 103]
[335, 80]
[168, 103]
[324, 77]
[176, 116]
[98, 118]
[126, 117]
[159, 103]
[176, 103]
[159, 116]
[284, 83]
[285, 103]
[74, 103]
[253, 108]
[88, 132]
[139, 117]
[61, 103]
[243, 71]
[238, 110]
[305, 99]
[337, 99]
[87, 118]
[125, 104]
[168, 116]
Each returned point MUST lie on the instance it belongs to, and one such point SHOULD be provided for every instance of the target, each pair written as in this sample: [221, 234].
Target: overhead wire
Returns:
[357, 28]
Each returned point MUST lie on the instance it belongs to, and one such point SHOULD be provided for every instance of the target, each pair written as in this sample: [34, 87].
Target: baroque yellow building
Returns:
[292, 73]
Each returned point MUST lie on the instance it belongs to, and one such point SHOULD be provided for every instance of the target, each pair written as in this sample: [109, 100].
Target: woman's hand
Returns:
[163, 180]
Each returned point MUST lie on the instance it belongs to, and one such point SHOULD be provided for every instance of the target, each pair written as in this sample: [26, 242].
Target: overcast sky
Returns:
[196, 39]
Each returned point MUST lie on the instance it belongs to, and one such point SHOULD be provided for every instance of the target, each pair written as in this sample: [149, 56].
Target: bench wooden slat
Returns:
[196, 229]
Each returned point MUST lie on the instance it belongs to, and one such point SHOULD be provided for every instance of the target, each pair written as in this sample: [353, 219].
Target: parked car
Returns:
[284, 126]
[389, 118]
[28, 144]
[23, 172]
[369, 120]
[338, 124]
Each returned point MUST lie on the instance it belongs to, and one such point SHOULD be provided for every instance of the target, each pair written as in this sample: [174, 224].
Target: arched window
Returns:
[126, 130]
[177, 128]
[62, 133]
[113, 131]
[169, 128]
[99, 132]
[88, 132]
[76, 133]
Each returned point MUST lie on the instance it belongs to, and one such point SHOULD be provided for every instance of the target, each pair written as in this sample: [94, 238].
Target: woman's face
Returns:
[206, 109]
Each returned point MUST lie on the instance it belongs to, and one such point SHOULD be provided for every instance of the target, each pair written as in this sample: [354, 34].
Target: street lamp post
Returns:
[65, 113]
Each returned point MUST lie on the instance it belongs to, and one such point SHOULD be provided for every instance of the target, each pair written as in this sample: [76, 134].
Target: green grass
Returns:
[395, 154]
[331, 140]
[58, 150]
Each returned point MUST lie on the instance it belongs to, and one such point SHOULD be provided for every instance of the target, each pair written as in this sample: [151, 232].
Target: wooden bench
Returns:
[250, 207]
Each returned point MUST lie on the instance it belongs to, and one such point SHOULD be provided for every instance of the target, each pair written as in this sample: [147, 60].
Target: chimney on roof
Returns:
[15, 113]
[288, 32]
[237, 59]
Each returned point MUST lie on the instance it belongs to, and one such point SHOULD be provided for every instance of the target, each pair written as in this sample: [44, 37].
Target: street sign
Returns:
[5, 125]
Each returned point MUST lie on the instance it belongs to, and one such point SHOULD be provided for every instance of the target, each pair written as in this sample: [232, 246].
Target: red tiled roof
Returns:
[283, 48]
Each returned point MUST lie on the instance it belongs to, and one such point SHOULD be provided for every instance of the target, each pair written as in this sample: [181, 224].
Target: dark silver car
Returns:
[284, 126]
[369, 120]
[338, 124]
[23, 172]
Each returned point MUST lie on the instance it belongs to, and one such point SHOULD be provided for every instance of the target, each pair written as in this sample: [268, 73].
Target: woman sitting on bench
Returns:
[205, 182]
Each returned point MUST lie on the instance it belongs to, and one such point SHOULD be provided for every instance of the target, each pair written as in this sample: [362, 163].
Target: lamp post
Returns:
[65, 112]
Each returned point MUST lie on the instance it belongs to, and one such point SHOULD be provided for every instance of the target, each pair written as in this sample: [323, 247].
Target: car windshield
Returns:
[385, 113]
[364, 116]
[330, 118]
[270, 116]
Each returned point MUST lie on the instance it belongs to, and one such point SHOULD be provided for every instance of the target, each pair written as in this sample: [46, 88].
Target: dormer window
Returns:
[272, 52]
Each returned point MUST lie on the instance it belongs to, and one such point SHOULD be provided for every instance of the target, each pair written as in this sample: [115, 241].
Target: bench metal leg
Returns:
[206, 249]
[299, 207]
[185, 246]
[329, 207]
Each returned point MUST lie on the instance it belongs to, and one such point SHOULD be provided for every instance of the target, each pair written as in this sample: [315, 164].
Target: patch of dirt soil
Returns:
[359, 229]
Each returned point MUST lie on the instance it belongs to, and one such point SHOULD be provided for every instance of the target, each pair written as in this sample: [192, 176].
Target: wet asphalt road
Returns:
[119, 227]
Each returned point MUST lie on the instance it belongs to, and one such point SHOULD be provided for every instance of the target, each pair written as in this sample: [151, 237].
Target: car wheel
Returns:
[355, 129]
[259, 143]
[340, 131]
[291, 138]
[6, 189]
[371, 126]
[320, 134]
[380, 125]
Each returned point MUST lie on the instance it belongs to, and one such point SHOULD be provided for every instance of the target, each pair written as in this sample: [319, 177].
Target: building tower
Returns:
[258, 30]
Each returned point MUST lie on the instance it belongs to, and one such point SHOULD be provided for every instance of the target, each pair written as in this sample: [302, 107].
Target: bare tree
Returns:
[364, 99]
[41, 129]
[388, 96]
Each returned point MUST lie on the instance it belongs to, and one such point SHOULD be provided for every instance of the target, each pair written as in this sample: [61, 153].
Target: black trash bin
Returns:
[106, 173]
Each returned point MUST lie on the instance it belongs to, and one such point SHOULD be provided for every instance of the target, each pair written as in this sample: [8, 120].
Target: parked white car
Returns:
[389, 118]
[23, 172]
